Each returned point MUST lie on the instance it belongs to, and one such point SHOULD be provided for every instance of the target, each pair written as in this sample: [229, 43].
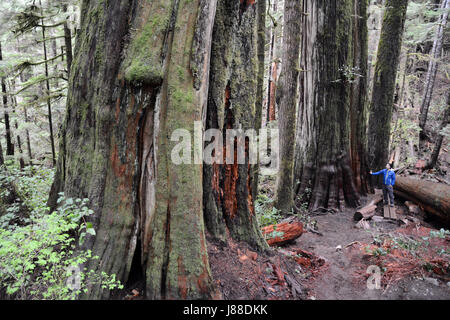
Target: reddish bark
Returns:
[290, 231]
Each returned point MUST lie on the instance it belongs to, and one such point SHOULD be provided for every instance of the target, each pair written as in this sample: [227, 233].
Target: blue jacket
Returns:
[388, 176]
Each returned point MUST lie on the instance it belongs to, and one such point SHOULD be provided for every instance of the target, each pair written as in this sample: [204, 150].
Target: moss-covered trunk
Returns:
[137, 75]
[359, 110]
[384, 82]
[288, 103]
[322, 159]
[229, 191]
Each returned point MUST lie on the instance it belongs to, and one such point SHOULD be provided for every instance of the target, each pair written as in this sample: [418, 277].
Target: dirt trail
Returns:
[340, 280]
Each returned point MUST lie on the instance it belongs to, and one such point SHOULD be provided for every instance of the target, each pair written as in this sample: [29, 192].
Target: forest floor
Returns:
[332, 261]
[333, 265]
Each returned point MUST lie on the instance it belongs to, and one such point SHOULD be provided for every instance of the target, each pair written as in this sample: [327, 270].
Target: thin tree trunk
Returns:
[68, 43]
[273, 70]
[2, 161]
[286, 121]
[47, 83]
[440, 137]
[384, 82]
[27, 132]
[432, 70]
[8, 134]
[16, 125]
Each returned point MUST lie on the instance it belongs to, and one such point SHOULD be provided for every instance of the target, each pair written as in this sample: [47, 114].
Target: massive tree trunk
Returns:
[432, 68]
[323, 128]
[288, 103]
[358, 99]
[140, 72]
[229, 192]
[384, 82]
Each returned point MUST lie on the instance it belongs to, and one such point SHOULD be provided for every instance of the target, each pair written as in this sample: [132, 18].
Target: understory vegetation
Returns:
[38, 259]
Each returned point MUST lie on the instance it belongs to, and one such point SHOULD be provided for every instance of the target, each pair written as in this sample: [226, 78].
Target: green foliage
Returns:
[274, 234]
[39, 258]
[266, 213]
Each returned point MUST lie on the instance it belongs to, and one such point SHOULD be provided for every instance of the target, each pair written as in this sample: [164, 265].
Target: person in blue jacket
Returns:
[388, 184]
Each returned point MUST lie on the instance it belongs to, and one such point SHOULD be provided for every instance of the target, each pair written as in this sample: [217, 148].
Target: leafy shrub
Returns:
[39, 260]
[266, 213]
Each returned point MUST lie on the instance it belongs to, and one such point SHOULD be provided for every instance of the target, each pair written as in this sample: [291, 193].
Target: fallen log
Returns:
[282, 233]
[432, 197]
[368, 211]
[413, 208]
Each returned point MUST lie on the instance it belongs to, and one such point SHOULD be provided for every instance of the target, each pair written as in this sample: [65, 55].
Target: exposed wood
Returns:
[365, 213]
[432, 197]
[368, 211]
[282, 233]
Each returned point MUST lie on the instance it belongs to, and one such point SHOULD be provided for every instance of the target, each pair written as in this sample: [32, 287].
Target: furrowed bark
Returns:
[384, 82]
[229, 193]
[322, 160]
[288, 103]
[116, 146]
[358, 100]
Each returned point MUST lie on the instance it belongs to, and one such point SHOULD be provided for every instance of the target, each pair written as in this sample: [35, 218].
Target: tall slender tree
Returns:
[440, 136]
[384, 82]
[8, 133]
[432, 68]
[47, 84]
[288, 103]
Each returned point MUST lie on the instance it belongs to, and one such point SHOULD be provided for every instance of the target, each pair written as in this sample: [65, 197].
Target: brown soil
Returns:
[328, 272]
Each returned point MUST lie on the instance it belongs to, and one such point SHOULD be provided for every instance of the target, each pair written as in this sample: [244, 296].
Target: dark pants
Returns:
[388, 194]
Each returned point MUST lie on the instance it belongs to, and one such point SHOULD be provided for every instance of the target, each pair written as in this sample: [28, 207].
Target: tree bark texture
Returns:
[139, 72]
[288, 103]
[432, 197]
[359, 110]
[229, 191]
[322, 159]
[384, 82]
